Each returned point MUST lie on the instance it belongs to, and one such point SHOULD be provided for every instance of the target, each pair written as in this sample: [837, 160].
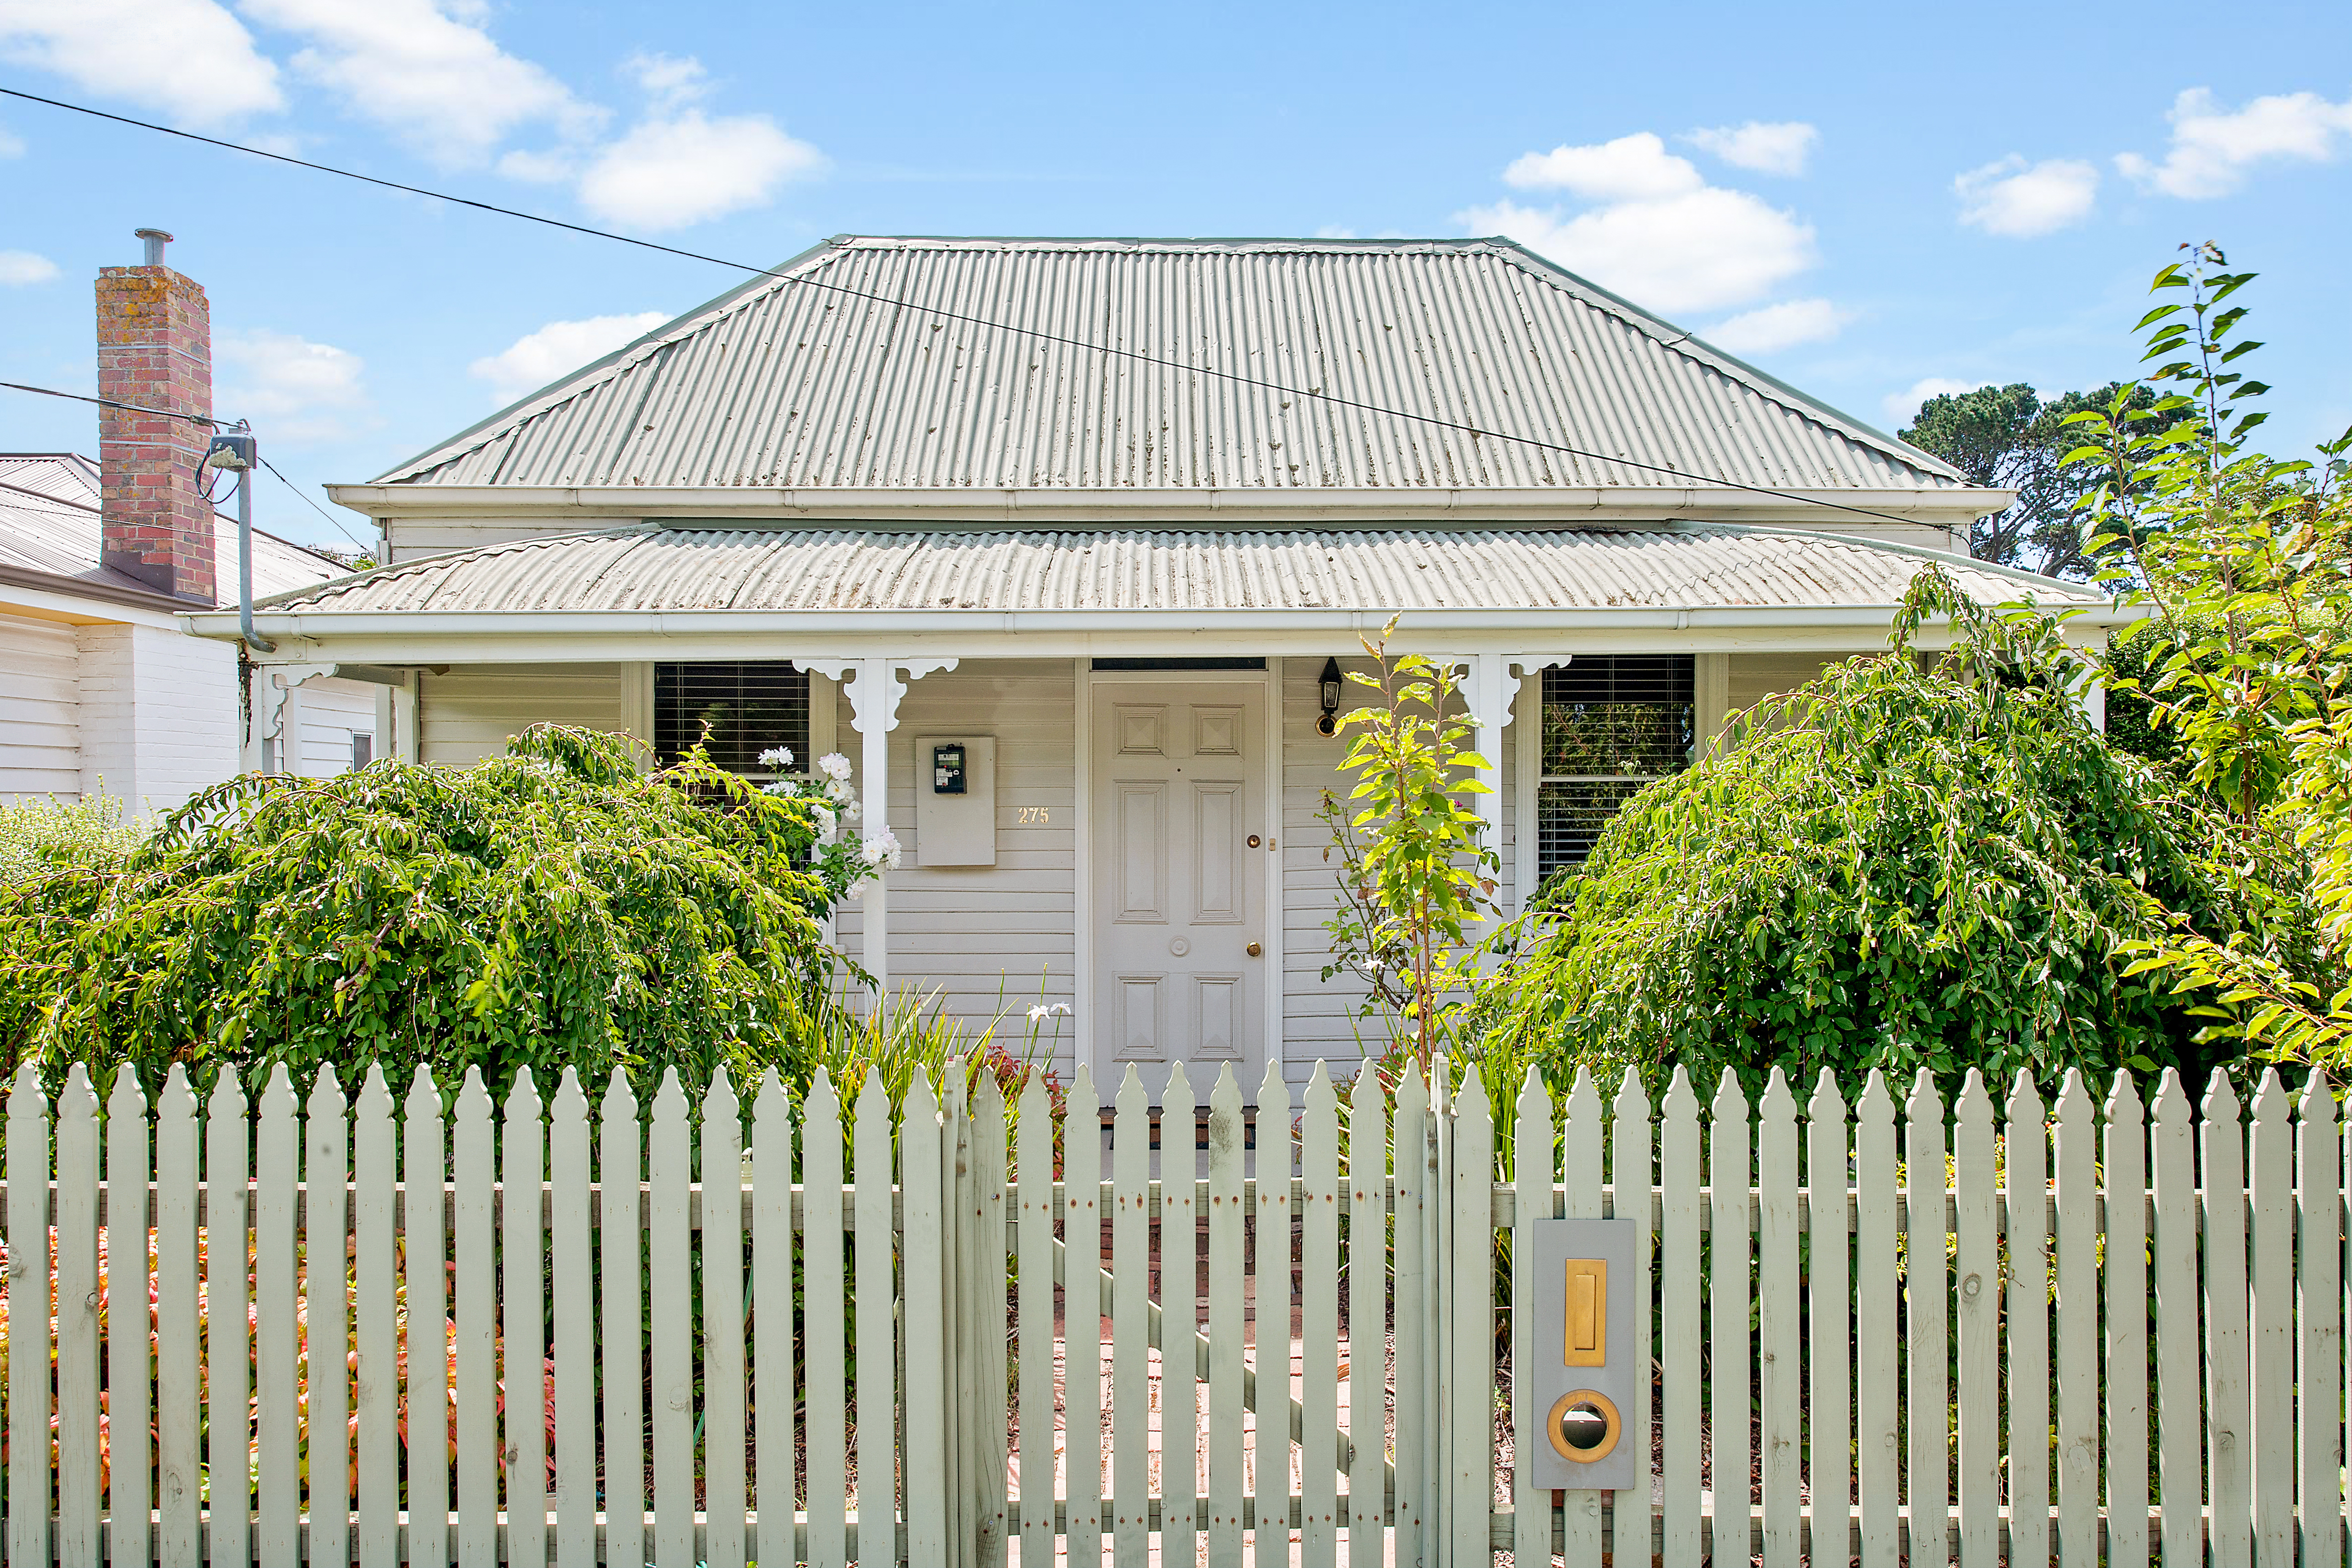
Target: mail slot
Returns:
[1588, 1384]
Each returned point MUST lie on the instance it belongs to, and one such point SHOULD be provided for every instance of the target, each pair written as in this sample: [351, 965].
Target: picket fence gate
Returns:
[1978, 1409]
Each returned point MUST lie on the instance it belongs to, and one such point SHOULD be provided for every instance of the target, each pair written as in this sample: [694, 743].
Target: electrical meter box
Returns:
[1590, 1372]
[955, 800]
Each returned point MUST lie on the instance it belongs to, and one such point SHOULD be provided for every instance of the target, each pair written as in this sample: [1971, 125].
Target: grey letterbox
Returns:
[1590, 1375]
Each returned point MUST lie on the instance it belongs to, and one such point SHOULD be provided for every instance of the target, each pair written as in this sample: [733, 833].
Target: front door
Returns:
[1180, 851]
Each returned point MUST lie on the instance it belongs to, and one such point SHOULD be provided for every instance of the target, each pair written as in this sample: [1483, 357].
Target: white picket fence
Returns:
[1925, 1339]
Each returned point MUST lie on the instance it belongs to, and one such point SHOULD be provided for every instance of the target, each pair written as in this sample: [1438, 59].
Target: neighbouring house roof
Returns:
[651, 568]
[868, 364]
[49, 523]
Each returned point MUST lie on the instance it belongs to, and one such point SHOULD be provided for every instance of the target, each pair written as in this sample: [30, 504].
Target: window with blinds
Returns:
[1611, 724]
[736, 709]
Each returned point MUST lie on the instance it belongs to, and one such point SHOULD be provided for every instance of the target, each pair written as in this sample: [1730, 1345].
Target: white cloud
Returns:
[1702, 250]
[433, 77]
[1768, 148]
[1655, 232]
[1780, 326]
[11, 146]
[1631, 168]
[1902, 408]
[291, 388]
[536, 359]
[2212, 147]
[684, 167]
[189, 58]
[21, 267]
[2021, 200]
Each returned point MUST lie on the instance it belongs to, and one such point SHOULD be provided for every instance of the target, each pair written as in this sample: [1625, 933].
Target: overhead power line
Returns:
[193, 419]
[1136, 356]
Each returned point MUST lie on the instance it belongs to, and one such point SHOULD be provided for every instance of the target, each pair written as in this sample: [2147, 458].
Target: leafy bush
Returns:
[1899, 865]
[556, 907]
[39, 837]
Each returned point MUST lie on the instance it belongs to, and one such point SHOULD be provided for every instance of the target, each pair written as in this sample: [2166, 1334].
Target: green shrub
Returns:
[39, 837]
[1896, 866]
[556, 907]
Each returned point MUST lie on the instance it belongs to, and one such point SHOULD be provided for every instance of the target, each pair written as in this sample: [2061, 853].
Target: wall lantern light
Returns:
[1329, 688]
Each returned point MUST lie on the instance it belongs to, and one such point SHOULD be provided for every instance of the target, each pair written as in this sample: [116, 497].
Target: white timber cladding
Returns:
[469, 713]
[331, 711]
[159, 714]
[40, 710]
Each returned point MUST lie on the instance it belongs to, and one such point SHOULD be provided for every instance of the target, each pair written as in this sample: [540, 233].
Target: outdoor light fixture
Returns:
[1329, 686]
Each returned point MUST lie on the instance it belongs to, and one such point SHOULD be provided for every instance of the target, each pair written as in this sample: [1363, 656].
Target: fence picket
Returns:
[276, 1175]
[1225, 1263]
[27, 1480]
[375, 1390]
[771, 1312]
[1630, 1169]
[2178, 1402]
[522, 1352]
[326, 1309]
[1365, 1179]
[1270, 1472]
[178, 1397]
[1927, 1296]
[1877, 1345]
[1583, 1140]
[1179, 1291]
[620, 1167]
[1533, 1174]
[2271, 1429]
[1130, 1366]
[824, 1308]
[226, 1329]
[1779, 1318]
[1411, 1133]
[425, 1279]
[1470, 1311]
[128, 1478]
[473, 1164]
[726, 1497]
[2075, 1144]
[2227, 1424]
[2319, 1180]
[985, 1323]
[2126, 1317]
[1976, 1309]
[669, 1248]
[1034, 1180]
[877, 1328]
[1829, 1308]
[1681, 1362]
[1729, 1172]
[572, 1269]
[2026, 1181]
[77, 1343]
[1319, 1321]
[925, 1443]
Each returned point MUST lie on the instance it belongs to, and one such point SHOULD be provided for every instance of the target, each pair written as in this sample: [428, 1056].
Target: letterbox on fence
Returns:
[1590, 1365]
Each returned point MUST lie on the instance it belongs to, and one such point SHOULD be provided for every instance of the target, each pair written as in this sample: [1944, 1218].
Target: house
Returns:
[1062, 539]
[103, 685]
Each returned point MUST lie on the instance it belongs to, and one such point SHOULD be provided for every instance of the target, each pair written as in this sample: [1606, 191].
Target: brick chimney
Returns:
[155, 349]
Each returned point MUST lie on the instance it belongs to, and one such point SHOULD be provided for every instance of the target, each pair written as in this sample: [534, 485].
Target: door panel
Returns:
[1179, 792]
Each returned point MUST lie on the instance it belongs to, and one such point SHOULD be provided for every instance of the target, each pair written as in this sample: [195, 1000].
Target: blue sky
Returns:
[1866, 201]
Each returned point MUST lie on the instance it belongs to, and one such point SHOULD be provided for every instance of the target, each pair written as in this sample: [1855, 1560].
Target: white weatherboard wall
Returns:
[331, 711]
[159, 713]
[40, 709]
[984, 936]
[471, 712]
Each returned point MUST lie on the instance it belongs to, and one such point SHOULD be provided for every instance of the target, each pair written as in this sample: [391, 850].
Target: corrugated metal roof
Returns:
[858, 382]
[49, 522]
[1694, 565]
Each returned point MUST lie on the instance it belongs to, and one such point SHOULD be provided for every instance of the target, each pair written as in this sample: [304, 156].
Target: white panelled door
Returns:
[1179, 845]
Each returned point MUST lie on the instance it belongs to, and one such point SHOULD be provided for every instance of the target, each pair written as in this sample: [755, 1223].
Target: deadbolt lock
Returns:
[1253, 841]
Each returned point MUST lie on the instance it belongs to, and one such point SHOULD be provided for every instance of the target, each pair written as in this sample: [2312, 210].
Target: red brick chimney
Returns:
[155, 349]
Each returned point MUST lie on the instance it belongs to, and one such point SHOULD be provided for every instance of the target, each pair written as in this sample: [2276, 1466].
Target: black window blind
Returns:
[1611, 724]
[736, 709]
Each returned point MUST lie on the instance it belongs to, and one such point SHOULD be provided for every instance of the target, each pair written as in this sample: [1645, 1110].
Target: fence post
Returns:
[983, 1320]
[1470, 1410]
[2319, 1172]
[1532, 1176]
[1730, 1170]
[1410, 1140]
[2127, 1297]
[77, 1319]
[925, 1452]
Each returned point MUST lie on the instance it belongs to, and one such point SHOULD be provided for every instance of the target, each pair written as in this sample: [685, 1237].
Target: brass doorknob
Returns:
[1252, 950]
[1252, 841]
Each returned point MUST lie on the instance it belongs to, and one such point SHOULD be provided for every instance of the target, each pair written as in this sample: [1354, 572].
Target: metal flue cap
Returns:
[156, 240]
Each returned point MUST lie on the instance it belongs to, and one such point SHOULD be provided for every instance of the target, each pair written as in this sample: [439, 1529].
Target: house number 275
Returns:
[1028, 814]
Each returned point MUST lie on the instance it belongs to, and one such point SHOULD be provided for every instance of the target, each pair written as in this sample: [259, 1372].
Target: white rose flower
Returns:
[777, 757]
[833, 765]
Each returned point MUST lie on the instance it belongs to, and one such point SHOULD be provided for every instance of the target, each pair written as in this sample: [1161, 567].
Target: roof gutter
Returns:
[1175, 508]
